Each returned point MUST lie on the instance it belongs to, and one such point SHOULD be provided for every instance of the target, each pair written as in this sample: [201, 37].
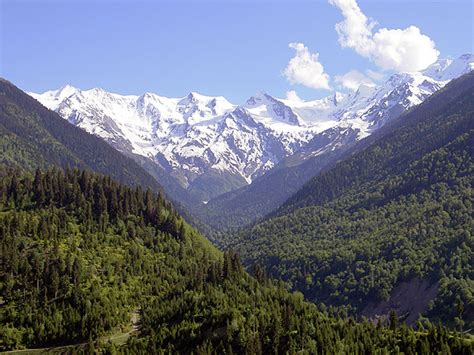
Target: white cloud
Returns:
[353, 79]
[398, 49]
[293, 96]
[374, 75]
[305, 69]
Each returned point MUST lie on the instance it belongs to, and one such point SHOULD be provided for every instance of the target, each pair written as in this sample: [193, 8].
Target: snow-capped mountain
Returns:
[357, 115]
[212, 146]
[195, 138]
[449, 69]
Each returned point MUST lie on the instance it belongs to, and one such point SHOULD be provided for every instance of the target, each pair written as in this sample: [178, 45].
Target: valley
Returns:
[356, 247]
[239, 177]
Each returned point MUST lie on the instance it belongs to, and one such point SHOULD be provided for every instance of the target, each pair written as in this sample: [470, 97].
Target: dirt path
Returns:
[118, 338]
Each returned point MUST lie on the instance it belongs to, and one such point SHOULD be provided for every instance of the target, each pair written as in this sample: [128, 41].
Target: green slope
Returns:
[32, 136]
[429, 126]
[399, 210]
[81, 252]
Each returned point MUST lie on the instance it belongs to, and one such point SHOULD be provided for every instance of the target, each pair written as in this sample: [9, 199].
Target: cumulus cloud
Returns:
[353, 79]
[305, 69]
[293, 96]
[398, 49]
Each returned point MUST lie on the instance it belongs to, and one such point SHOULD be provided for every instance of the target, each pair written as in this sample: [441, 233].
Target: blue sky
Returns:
[230, 48]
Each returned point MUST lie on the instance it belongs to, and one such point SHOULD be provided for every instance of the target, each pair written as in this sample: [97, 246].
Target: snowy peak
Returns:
[238, 120]
[269, 110]
[337, 97]
[53, 98]
[449, 69]
[199, 137]
[260, 98]
[196, 107]
[437, 69]
[196, 99]
[66, 91]
[364, 91]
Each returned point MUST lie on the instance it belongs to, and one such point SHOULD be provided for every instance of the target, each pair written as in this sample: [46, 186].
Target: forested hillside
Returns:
[399, 210]
[391, 150]
[31, 136]
[80, 252]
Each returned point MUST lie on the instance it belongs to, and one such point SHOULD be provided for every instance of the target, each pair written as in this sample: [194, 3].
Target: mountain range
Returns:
[380, 225]
[90, 265]
[31, 137]
[203, 146]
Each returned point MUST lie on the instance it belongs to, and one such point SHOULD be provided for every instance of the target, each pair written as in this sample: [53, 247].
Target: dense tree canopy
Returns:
[398, 210]
[80, 252]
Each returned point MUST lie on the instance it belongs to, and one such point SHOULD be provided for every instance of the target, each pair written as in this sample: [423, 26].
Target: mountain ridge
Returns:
[259, 199]
[398, 210]
[47, 140]
[210, 146]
